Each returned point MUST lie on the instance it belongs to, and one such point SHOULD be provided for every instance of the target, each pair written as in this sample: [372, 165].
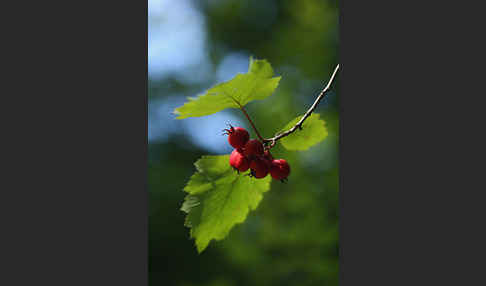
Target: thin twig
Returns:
[273, 140]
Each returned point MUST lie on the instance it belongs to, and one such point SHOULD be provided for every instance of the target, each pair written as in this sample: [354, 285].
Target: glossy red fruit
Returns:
[237, 136]
[253, 148]
[259, 168]
[238, 161]
[280, 169]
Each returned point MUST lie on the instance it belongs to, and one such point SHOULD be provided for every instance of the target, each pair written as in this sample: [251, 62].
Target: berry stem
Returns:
[251, 122]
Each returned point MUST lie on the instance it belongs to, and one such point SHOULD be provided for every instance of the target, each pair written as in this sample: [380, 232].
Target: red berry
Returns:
[238, 136]
[238, 161]
[280, 169]
[253, 148]
[267, 155]
[259, 168]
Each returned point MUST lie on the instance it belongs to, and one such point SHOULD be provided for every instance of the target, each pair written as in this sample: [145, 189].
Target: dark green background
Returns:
[292, 238]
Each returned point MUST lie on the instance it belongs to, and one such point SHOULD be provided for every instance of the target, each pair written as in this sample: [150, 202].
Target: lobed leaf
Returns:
[313, 131]
[257, 84]
[219, 199]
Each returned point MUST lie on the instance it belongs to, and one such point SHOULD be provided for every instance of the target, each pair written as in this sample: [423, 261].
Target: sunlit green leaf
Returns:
[257, 84]
[313, 131]
[219, 198]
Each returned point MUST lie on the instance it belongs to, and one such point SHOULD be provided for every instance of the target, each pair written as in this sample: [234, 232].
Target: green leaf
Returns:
[255, 85]
[313, 131]
[219, 198]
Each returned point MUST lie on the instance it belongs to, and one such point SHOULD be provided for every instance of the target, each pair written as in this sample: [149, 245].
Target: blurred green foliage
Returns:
[292, 237]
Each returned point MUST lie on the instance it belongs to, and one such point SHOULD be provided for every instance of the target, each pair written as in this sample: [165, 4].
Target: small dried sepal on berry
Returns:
[237, 136]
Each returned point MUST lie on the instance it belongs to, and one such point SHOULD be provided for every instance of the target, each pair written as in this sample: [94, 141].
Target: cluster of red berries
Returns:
[250, 154]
